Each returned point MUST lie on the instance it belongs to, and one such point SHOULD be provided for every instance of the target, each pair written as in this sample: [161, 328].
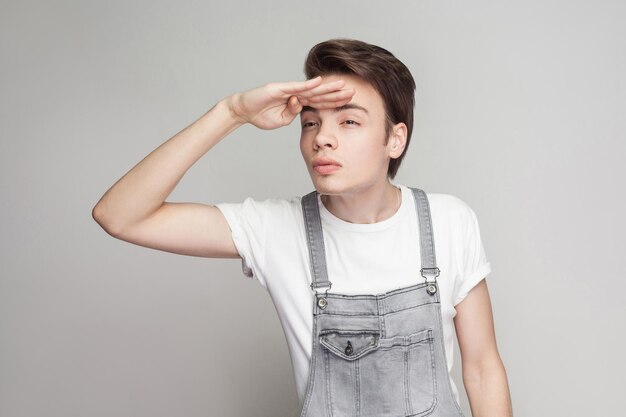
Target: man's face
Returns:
[353, 135]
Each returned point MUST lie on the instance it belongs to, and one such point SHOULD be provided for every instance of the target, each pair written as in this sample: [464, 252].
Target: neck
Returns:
[368, 205]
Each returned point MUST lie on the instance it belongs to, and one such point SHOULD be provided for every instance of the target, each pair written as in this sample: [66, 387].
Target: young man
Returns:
[379, 338]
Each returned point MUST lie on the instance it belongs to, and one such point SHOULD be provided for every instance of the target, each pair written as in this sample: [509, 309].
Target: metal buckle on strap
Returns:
[431, 289]
[330, 284]
[434, 271]
[322, 302]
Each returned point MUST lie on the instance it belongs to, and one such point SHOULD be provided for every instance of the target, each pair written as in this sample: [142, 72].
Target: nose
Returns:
[324, 137]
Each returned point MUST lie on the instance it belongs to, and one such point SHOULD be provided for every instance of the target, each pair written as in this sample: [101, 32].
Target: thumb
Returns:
[293, 108]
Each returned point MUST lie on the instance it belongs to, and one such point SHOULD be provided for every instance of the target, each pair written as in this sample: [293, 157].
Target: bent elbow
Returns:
[105, 223]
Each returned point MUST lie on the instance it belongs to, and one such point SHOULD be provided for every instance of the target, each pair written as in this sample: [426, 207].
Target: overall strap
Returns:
[427, 240]
[315, 241]
[315, 238]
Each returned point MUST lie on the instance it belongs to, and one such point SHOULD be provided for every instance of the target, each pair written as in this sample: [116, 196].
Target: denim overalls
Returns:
[377, 355]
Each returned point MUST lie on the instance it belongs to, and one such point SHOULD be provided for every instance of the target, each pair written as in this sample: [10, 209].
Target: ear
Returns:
[397, 140]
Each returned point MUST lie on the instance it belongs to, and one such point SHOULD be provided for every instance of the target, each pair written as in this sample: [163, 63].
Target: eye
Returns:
[308, 124]
[350, 122]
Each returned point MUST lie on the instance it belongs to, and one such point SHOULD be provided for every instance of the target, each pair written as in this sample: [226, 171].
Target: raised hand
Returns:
[276, 104]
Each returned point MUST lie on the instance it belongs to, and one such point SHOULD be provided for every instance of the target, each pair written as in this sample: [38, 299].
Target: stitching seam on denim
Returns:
[357, 385]
[407, 381]
[372, 297]
[372, 314]
[312, 366]
[328, 390]
[434, 373]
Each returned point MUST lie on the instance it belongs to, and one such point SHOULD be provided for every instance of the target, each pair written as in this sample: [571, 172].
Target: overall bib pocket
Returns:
[373, 377]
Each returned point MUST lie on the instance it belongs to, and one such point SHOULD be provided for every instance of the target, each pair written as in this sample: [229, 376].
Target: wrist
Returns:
[231, 105]
[220, 119]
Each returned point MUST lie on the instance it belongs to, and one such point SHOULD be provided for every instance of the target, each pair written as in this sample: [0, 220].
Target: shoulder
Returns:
[266, 203]
[273, 203]
[451, 212]
[445, 206]
[448, 205]
[263, 209]
[454, 218]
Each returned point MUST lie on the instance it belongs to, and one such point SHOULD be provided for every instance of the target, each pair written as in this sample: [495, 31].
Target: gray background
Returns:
[520, 112]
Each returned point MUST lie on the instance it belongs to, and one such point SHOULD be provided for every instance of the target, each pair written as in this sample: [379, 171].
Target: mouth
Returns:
[325, 166]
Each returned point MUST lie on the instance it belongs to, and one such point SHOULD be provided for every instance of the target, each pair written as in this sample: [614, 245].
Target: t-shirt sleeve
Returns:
[248, 221]
[473, 264]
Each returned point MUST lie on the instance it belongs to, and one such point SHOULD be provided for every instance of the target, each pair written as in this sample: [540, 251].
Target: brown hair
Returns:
[379, 67]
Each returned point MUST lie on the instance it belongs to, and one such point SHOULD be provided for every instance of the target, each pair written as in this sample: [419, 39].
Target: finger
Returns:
[292, 109]
[330, 104]
[323, 88]
[293, 87]
[333, 96]
[294, 105]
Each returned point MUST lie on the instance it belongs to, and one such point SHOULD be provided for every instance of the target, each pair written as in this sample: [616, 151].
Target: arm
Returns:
[134, 208]
[484, 375]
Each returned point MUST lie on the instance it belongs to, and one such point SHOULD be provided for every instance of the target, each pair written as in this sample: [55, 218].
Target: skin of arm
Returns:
[483, 372]
[134, 208]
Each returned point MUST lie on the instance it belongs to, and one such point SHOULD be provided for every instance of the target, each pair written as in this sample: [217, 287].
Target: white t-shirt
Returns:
[361, 258]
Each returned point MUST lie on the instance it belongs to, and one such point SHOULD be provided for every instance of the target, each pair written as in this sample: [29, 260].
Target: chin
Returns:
[323, 186]
[335, 186]
[329, 187]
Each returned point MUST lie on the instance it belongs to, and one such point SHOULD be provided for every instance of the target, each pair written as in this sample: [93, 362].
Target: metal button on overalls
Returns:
[377, 355]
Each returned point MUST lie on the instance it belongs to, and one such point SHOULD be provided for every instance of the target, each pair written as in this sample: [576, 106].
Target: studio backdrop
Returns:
[519, 112]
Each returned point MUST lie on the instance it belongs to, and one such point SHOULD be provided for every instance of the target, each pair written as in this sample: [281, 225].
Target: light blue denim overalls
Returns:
[377, 355]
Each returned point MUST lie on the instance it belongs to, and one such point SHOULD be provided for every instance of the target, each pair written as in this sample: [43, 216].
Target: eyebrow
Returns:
[349, 106]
